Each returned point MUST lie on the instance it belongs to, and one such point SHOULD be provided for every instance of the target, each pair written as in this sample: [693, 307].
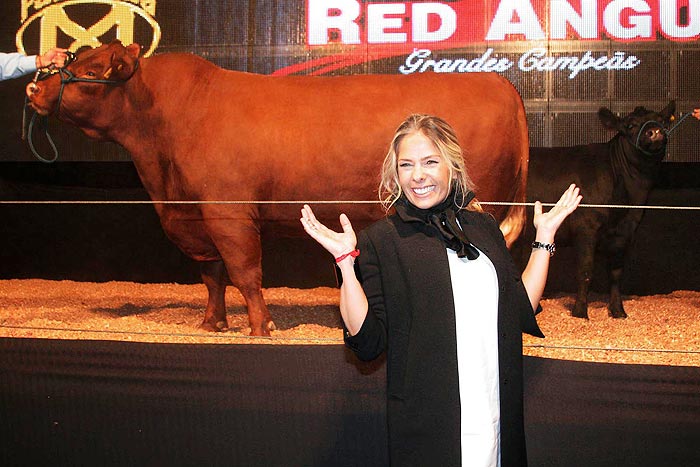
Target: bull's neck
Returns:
[627, 159]
[135, 126]
[634, 172]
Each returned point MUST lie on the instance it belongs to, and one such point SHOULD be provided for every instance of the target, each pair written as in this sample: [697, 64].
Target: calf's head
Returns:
[645, 129]
[75, 93]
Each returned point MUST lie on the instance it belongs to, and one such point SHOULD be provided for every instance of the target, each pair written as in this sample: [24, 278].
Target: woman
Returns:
[435, 286]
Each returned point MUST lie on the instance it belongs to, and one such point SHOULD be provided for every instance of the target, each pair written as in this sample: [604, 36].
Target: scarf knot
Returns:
[443, 218]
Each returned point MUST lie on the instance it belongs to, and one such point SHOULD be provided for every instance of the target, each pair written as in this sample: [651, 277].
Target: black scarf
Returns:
[443, 218]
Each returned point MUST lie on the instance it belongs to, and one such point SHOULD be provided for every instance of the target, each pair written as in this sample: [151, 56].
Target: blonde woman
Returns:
[434, 286]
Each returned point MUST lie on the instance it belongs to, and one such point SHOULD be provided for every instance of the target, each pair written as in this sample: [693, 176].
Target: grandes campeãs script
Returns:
[536, 59]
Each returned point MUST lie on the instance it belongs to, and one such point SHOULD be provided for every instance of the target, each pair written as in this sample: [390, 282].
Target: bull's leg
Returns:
[616, 258]
[258, 315]
[618, 246]
[214, 277]
[615, 306]
[585, 250]
[238, 242]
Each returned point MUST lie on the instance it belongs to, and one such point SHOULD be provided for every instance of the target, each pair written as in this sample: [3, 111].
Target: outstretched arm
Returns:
[353, 301]
[14, 65]
[546, 224]
[56, 57]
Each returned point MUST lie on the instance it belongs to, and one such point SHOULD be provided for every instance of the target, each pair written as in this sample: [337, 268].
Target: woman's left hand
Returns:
[548, 223]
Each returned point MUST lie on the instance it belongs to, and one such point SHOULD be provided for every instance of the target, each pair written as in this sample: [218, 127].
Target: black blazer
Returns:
[404, 272]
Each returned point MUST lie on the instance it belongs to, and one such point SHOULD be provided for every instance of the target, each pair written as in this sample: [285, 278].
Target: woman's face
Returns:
[423, 174]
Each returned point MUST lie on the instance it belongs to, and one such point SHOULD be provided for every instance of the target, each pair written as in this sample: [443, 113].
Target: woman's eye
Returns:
[432, 162]
[404, 164]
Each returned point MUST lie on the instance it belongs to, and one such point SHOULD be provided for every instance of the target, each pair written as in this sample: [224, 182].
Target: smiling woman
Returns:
[430, 160]
[423, 174]
[435, 287]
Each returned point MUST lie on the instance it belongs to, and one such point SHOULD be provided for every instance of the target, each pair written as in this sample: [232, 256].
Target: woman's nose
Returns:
[417, 173]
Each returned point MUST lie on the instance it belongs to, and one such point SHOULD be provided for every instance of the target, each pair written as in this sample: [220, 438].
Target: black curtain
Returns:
[119, 403]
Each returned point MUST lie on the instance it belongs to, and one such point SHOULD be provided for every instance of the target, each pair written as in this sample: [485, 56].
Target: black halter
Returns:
[67, 77]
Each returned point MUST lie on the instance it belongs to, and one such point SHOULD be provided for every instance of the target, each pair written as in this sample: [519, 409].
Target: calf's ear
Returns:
[668, 111]
[609, 119]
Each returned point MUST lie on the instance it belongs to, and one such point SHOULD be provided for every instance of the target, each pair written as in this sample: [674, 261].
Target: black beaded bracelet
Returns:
[550, 247]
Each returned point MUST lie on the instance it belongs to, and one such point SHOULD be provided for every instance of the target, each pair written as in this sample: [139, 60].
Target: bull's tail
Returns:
[514, 222]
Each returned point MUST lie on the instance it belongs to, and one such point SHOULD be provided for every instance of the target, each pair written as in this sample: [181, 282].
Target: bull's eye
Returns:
[90, 74]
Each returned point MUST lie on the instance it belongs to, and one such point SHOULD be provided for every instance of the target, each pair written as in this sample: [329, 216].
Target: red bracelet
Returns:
[353, 253]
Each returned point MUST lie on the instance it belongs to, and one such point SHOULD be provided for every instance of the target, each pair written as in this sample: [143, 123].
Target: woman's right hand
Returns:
[337, 243]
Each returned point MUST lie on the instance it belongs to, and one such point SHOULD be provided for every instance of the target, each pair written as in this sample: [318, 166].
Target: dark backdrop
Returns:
[102, 242]
[67, 403]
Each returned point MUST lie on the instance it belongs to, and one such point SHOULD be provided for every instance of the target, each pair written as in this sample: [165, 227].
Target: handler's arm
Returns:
[535, 274]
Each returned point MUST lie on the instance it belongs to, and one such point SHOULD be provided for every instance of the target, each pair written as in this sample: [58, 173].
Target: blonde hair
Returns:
[443, 137]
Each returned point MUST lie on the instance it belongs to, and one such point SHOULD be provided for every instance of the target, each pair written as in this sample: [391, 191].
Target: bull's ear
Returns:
[133, 50]
[124, 64]
[668, 111]
[609, 119]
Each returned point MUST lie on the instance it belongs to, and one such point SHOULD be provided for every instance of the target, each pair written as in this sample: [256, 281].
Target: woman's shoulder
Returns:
[477, 217]
[381, 227]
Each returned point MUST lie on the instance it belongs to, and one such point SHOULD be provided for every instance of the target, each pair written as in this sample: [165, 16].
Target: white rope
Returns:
[231, 336]
[312, 202]
[605, 349]
[226, 335]
[614, 206]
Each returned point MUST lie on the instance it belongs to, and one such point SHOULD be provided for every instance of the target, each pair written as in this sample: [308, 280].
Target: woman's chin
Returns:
[423, 202]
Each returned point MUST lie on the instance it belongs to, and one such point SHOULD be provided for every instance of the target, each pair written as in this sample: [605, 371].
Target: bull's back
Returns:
[324, 138]
[245, 136]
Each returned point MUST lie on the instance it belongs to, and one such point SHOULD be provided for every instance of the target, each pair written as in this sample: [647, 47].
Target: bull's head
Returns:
[647, 130]
[74, 92]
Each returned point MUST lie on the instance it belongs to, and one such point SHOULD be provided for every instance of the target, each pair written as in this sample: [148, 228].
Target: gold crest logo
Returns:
[77, 23]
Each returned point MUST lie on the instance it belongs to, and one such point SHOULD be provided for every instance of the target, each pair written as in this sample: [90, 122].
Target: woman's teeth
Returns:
[424, 190]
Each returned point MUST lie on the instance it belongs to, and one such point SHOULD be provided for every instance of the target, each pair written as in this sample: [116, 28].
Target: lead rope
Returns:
[28, 131]
[679, 122]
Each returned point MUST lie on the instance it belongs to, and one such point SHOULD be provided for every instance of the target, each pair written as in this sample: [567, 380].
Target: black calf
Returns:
[619, 172]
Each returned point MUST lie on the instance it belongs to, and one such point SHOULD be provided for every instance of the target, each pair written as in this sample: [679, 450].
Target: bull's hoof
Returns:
[219, 326]
[580, 312]
[617, 313]
[264, 330]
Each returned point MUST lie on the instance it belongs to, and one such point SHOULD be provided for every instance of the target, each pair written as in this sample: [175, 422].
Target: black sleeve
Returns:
[371, 339]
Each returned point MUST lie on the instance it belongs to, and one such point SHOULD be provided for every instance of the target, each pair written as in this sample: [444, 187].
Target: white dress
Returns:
[475, 288]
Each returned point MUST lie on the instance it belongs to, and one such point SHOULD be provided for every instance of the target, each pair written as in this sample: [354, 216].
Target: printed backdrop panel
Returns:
[564, 57]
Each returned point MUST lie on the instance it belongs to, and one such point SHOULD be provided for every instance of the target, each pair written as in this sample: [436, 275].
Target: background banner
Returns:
[567, 58]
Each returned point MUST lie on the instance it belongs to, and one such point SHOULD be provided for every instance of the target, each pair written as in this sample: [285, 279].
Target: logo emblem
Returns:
[52, 23]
